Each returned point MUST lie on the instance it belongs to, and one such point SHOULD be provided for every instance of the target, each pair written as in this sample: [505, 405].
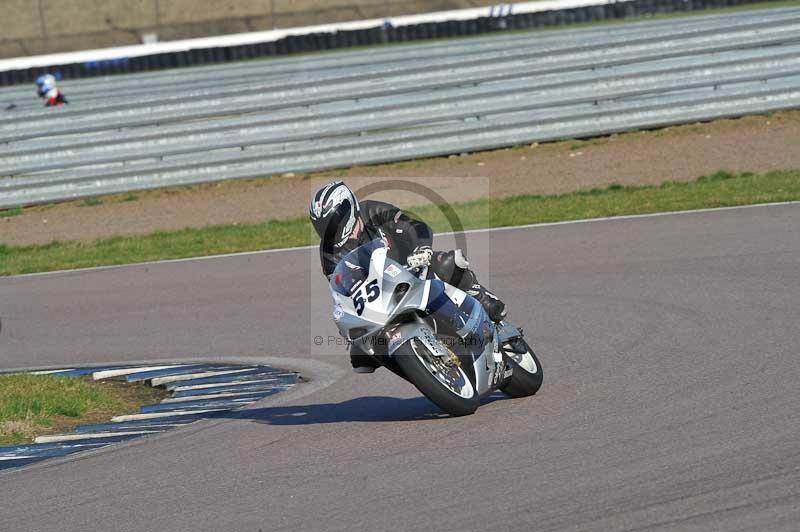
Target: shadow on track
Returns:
[362, 409]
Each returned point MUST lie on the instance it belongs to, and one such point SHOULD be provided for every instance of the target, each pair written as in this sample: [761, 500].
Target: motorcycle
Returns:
[428, 332]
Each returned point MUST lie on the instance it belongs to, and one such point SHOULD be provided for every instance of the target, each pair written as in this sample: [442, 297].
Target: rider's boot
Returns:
[452, 267]
[495, 308]
[361, 362]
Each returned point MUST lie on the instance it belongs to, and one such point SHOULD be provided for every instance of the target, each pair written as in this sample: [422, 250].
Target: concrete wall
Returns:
[32, 27]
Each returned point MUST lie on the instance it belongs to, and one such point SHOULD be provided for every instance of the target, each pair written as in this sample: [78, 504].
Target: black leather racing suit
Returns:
[381, 220]
[404, 234]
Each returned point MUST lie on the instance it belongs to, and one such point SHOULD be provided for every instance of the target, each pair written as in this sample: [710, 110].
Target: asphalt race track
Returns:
[670, 402]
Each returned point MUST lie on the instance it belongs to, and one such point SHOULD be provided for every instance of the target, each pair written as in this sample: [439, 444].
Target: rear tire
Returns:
[411, 358]
[527, 376]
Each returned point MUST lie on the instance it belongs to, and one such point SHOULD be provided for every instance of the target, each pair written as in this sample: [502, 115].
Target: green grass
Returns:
[16, 211]
[128, 197]
[32, 405]
[91, 202]
[719, 190]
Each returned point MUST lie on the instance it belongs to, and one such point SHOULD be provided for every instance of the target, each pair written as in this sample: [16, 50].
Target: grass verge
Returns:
[34, 405]
[719, 190]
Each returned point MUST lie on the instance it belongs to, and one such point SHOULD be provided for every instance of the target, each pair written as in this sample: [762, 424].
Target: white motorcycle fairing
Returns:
[382, 306]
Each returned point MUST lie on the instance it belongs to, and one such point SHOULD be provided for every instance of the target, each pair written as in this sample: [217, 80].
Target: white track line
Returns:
[4, 458]
[98, 375]
[90, 436]
[158, 381]
[155, 426]
[488, 230]
[51, 371]
[155, 415]
[626, 217]
[210, 397]
[229, 383]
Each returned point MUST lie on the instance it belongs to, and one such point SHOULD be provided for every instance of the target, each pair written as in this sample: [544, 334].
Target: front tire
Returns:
[527, 376]
[446, 385]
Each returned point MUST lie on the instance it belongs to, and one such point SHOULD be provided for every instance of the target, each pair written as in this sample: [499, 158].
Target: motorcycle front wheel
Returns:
[441, 380]
[527, 375]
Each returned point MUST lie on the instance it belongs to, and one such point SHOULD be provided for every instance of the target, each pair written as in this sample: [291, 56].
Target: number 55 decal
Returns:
[372, 293]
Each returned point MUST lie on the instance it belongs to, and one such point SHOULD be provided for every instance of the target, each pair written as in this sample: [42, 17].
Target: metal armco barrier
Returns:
[312, 113]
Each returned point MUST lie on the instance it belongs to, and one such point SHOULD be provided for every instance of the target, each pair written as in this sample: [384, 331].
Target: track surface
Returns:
[670, 400]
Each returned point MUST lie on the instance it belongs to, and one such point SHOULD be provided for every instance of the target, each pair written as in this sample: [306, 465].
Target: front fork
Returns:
[498, 368]
[491, 369]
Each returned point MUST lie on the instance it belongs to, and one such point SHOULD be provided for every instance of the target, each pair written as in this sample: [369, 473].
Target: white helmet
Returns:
[45, 83]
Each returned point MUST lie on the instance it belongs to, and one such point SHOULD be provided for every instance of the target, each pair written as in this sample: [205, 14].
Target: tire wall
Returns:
[172, 20]
[35, 27]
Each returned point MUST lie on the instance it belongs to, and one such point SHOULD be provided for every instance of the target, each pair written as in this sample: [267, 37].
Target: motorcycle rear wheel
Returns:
[527, 375]
[446, 385]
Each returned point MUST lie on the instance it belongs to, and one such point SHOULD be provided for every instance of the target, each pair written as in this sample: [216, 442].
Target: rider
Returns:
[46, 88]
[343, 224]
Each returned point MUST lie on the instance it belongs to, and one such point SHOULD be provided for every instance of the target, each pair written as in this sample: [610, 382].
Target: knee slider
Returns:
[451, 267]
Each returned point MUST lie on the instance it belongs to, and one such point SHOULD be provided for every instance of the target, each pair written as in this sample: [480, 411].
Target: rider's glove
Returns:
[421, 256]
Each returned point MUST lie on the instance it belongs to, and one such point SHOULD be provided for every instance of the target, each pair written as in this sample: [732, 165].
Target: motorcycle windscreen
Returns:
[353, 269]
